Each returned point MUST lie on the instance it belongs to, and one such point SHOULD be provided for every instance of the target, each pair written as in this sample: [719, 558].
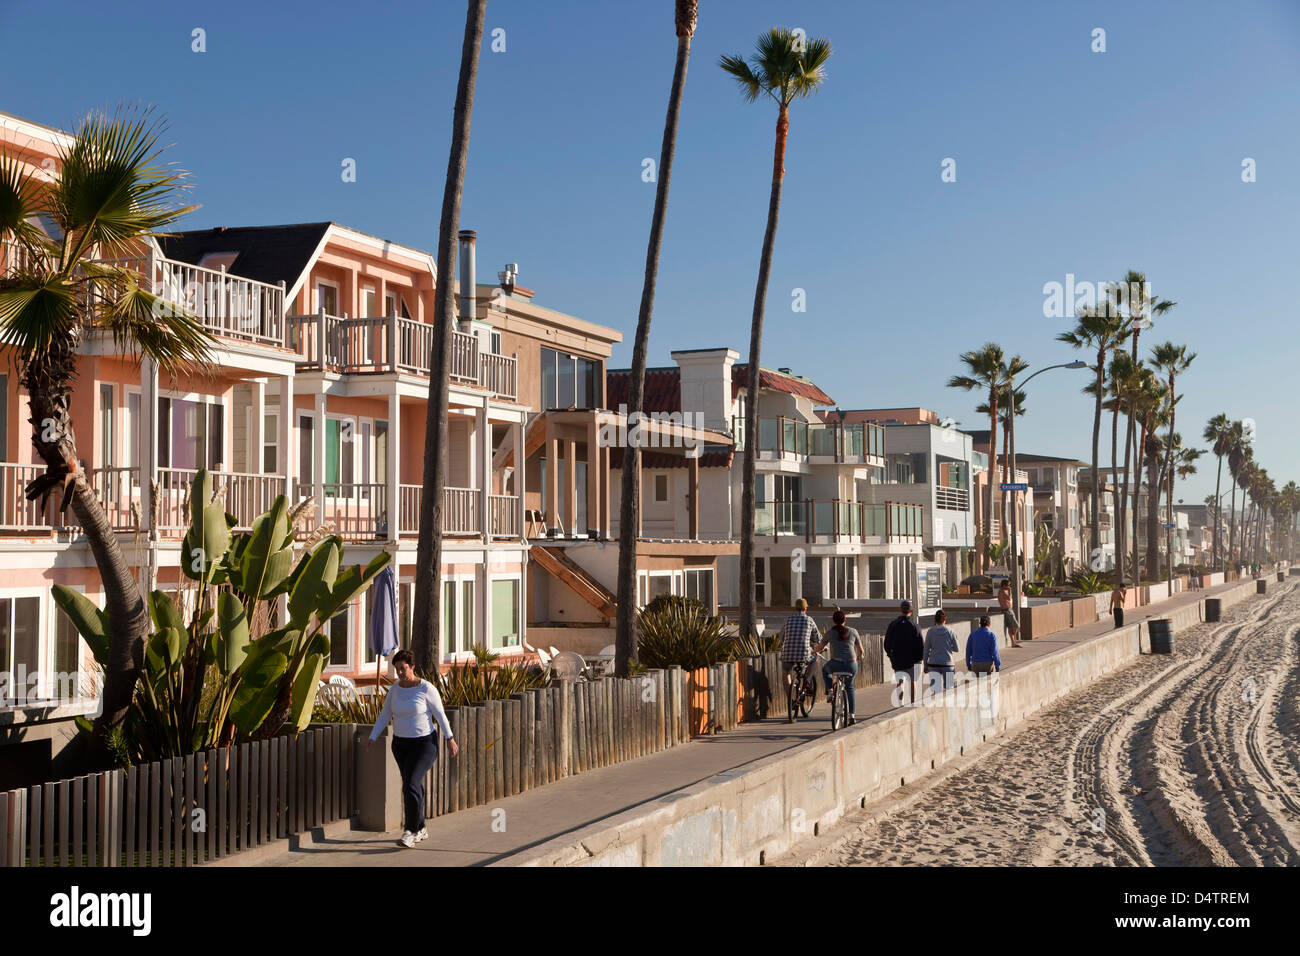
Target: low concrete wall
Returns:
[1086, 610]
[1045, 619]
[742, 816]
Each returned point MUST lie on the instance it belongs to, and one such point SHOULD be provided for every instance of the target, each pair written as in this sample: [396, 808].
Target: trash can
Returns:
[1281, 576]
[1261, 586]
[1161, 630]
[1213, 610]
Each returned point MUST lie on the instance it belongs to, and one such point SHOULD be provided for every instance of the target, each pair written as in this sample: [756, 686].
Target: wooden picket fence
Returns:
[541, 735]
[186, 810]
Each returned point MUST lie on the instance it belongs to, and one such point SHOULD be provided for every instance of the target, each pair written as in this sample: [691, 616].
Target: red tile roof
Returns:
[660, 459]
[663, 389]
[778, 382]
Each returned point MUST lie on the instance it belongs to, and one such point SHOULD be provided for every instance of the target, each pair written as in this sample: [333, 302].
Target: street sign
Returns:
[1014, 486]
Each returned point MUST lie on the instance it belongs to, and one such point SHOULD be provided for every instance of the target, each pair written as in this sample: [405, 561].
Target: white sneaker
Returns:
[422, 835]
[408, 838]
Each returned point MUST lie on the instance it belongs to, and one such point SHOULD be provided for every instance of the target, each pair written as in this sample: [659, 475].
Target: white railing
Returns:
[19, 514]
[498, 374]
[243, 495]
[464, 357]
[460, 510]
[118, 489]
[356, 511]
[505, 516]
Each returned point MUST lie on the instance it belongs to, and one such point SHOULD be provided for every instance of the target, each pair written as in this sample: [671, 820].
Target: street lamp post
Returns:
[1011, 441]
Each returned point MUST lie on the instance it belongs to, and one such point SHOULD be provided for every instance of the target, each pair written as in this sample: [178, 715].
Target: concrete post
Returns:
[379, 782]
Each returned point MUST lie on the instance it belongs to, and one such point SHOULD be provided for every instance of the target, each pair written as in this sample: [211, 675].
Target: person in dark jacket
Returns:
[905, 646]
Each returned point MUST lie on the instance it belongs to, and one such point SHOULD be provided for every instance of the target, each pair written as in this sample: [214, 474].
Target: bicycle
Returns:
[840, 714]
[803, 691]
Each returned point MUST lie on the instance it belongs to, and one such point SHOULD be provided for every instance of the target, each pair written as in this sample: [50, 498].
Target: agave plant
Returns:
[230, 670]
[1090, 582]
[484, 678]
[683, 634]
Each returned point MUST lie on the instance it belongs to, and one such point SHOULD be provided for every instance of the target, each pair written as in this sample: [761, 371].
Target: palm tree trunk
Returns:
[1218, 508]
[1094, 523]
[1232, 513]
[1169, 464]
[993, 473]
[1129, 463]
[49, 386]
[747, 597]
[630, 505]
[1006, 477]
[426, 637]
[1154, 487]
[1119, 533]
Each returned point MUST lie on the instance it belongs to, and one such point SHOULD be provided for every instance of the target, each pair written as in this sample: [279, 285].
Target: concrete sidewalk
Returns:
[487, 834]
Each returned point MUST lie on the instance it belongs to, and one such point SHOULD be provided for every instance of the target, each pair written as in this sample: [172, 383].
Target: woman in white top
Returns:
[413, 705]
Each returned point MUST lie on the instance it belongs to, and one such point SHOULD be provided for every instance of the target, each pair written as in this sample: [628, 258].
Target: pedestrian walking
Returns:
[982, 649]
[846, 655]
[1117, 599]
[414, 706]
[1010, 623]
[940, 646]
[905, 648]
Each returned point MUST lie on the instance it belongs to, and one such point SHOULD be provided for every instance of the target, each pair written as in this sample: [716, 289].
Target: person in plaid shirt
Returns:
[797, 636]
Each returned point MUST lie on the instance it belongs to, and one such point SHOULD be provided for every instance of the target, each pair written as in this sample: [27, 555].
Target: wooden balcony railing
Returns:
[388, 343]
[243, 495]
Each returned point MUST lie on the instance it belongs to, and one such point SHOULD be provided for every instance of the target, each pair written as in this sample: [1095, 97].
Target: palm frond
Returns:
[36, 310]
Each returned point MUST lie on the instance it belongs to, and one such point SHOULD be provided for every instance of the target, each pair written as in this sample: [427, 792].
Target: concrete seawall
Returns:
[738, 817]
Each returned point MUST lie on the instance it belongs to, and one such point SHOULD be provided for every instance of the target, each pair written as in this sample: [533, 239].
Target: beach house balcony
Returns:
[826, 522]
[392, 343]
[360, 511]
[791, 439]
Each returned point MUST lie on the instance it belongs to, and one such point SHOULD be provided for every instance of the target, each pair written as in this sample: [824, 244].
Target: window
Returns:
[661, 487]
[652, 584]
[876, 577]
[458, 618]
[760, 581]
[270, 443]
[19, 642]
[505, 613]
[191, 433]
[841, 578]
[569, 380]
[306, 447]
[106, 434]
[699, 585]
[496, 343]
[339, 451]
[327, 297]
[381, 452]
[340, 626]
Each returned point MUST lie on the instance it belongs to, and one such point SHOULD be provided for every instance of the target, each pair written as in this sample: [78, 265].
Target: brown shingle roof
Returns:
[663, 389]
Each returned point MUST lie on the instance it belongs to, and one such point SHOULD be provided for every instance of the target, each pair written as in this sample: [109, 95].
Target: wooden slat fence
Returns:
[185, 810]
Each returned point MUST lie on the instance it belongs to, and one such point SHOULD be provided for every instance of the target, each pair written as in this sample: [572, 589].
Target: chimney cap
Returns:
[785, 371]
[467, 235]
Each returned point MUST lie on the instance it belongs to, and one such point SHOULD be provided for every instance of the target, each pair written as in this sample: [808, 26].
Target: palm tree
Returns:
[1004, 403]
[111, 195]
[1218, 432]
[687, 12]
[1151, 412]
[1103, 330]
[1173, 360]
[1238, 455]
[1125, 383]
[1290, 499]
[989, 372]
[785, 67]
[426, 631]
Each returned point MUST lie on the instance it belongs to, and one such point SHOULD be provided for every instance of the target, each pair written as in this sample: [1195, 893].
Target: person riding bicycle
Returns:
[846, 656]
[797, 636]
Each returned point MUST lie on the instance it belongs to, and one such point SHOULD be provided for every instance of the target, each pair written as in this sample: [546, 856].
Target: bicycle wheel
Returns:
[839, 706]
[806, 697]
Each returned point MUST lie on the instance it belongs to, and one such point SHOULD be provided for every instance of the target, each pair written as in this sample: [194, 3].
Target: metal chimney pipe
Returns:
[465, 303]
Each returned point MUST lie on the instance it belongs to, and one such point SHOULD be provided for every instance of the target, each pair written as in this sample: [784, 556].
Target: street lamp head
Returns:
[1077, 363]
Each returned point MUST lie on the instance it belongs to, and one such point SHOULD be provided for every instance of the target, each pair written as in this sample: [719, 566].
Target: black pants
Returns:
[415, 757]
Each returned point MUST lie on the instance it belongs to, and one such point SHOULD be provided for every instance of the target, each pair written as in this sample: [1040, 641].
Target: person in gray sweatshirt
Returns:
[940, 646]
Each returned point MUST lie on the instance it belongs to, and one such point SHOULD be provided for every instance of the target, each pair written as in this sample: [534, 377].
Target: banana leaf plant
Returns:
[247, 663]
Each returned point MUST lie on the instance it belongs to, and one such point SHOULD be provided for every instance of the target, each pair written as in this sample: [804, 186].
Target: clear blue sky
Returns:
[1068, 161]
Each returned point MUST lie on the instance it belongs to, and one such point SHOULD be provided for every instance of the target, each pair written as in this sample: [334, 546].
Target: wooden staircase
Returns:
[576, 579]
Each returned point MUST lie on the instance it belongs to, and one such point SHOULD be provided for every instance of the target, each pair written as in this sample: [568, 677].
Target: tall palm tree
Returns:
[1004, 403]
[1291, 505]
[785, 67]
[1238, 455]
[686, 15]
[1100, 329]
[1151, 411]
[1217, 432]
[1173, 360]
[1125, 382]
[112, 193]
[426, 631]
[989, 371]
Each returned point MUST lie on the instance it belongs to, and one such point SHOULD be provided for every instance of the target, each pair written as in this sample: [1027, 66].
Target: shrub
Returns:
[681, 632]
[484, 679]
